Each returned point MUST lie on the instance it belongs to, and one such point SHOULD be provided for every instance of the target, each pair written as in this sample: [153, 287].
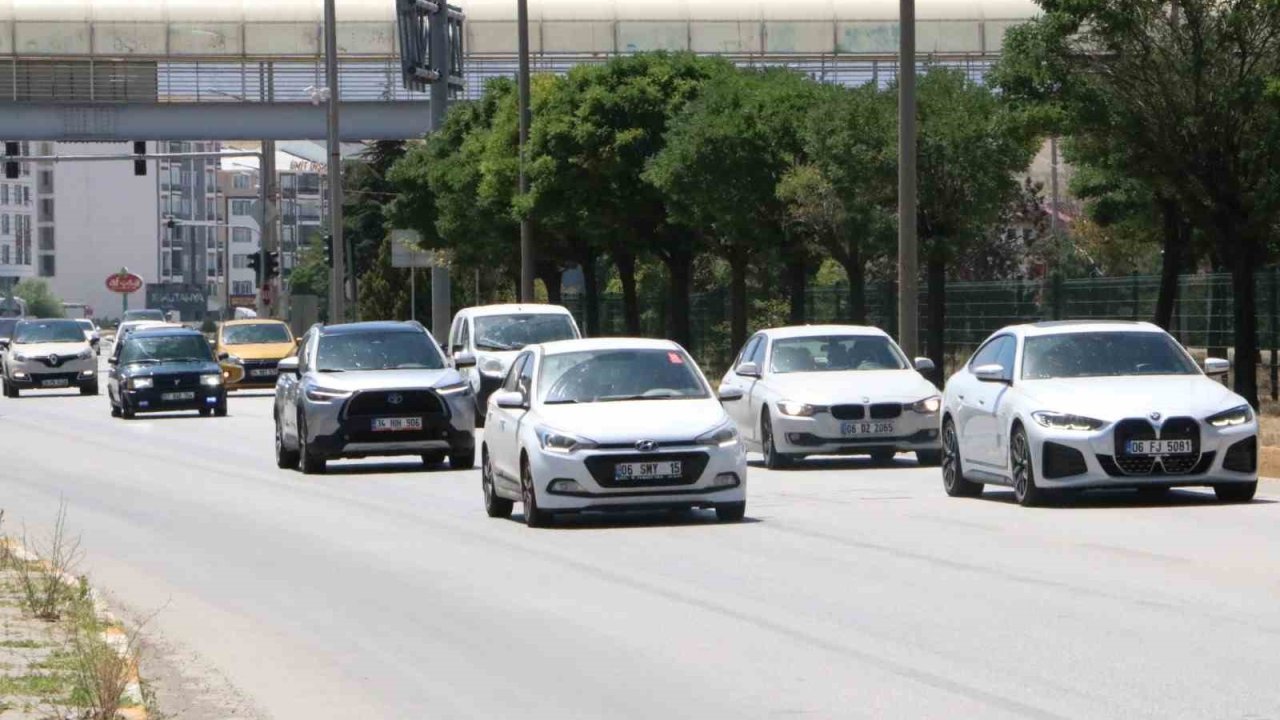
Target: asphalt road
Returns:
[383, 591]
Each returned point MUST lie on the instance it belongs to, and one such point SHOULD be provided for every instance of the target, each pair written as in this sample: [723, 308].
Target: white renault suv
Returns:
[1073, 405]
[833, 389]
[47, 354]
[605, 425]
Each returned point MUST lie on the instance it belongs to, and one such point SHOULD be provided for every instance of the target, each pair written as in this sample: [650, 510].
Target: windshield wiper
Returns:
[623, 398]
[144, 361]
[563, 401]
[494, 346]
[186, 359]
[330, 370]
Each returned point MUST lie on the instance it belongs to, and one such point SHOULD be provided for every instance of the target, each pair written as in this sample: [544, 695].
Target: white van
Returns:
[495, 334]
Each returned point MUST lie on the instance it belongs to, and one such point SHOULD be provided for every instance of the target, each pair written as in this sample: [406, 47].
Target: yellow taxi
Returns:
[257, 346]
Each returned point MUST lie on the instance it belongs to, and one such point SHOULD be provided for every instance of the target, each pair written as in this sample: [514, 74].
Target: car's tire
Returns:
[220, 410]
[1236, 492]
[4, 387]
[89, 389]
[286, 459]
[773, 459]
[480, 413]
[308, 462]
[126, 412]
[14, 391]
[115, 411]
[731, 512]
[1021, 464]
[534, 516]
[432, 459]
[929, 458]
[462, 459]
[883, 457]
[953, 480]
[494, 506]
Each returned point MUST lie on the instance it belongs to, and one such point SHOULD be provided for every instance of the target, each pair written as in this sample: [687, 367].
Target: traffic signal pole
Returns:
[526, 228]
[908, 252]
[338, 280]
[441, 53]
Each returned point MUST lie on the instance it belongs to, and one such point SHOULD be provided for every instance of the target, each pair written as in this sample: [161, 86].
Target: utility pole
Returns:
[526, 229]
[338, 281]
[908, 247]
[441, 59]
[267, 212]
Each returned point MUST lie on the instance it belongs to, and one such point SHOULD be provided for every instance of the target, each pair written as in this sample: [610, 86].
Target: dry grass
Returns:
[45, 592]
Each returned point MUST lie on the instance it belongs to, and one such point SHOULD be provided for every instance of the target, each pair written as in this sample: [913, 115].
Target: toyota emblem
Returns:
[395, 399]
[1155, 416]
[647, 445]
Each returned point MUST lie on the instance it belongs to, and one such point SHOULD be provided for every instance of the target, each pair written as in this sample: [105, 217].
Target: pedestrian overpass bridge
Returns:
[252, 69]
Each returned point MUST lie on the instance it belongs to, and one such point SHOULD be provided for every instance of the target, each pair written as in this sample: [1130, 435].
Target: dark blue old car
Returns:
[165, 370]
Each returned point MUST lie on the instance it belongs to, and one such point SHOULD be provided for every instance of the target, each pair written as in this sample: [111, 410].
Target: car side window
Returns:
[304, 355]
[993, 352]
[513, 375]
[464, 337]
[525, 383]
[1008, 356]
[757, 355]
[747, 351]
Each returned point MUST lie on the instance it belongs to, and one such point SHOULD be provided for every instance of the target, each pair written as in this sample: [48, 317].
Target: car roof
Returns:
[373, 326]
[559, 347]
[252, 321]
[1065, 327]
[800, 331]
[164, 332]
[515, 308]
[64, 321]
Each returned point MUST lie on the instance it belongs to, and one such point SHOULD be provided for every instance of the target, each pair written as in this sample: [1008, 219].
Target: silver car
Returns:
[371, 389]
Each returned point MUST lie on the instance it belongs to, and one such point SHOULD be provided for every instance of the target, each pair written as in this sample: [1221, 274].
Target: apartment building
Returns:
[17, 218]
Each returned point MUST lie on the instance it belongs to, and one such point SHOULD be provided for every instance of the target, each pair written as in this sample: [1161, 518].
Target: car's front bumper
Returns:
[334, 433]
[153, 399]
[1074, 459]
[31, 375]
[258, 374]
[823, 434]
[593, 490]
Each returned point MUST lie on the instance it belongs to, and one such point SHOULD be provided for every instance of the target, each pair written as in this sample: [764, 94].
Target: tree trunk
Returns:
[552, 277]
[936, 279]
[626, 262]
[856, 272]
[797, 281]
[590, 294]
[680, 267]
[1174, 228]
[1244, 310]
[737, 298]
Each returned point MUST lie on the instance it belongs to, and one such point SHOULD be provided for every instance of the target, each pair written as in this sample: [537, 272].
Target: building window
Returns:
[4, 254]
[26, 195]
[242, 181]
[46, 208]
[46, 181]
[4, 193]
[47, 266]
[46, 237]
[239, 261]
[4, 223]
[309, 184]
[242, 287]
[309, 211]
[241, 235]
[241, 207]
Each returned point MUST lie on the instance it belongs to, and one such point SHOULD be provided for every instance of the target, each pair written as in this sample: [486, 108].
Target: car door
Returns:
[287, 389]
[981, 402]
[502, 426]
[739, 410]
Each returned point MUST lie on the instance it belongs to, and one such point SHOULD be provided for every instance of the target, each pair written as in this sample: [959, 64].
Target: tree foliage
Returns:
[41, 302]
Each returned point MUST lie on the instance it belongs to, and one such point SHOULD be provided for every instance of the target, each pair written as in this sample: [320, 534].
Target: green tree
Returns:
[366, 192]
[1186, 89]
[310, 276]
[41, 302]
[384, 290]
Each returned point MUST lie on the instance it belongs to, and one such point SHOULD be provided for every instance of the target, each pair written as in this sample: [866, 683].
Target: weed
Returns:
[45, 593]
[102, 661]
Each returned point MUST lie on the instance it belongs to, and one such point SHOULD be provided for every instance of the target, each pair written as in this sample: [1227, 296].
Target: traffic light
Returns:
[255, 264]
[140, 164]
[328, 250]
[12, 170]
[273, 264]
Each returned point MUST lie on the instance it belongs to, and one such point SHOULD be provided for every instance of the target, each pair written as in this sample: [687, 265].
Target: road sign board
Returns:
[124, 282]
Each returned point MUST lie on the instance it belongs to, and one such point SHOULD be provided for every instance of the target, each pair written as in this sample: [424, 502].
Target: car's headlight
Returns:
[141, 383]
[724, 436]
[324, 394]
[1231, 418]
[211, 380]
[491, 367]
[1066, 421]
[927, 406]
[554, 441]
[796, 409]
[86, 354]
[456, 389]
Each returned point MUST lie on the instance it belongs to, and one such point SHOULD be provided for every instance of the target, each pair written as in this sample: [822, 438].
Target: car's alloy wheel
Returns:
[1236, 492]
[773, 459]
[533, 516]
[1025, 490]
[285, 458]
[308, 462]
[494, 506]
[953, 480]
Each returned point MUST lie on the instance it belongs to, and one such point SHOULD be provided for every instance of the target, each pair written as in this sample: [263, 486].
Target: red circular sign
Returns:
[124, 283]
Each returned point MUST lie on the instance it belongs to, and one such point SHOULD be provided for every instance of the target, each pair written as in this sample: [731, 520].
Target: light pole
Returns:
[338, 282]
[908, 253]
[526, 229]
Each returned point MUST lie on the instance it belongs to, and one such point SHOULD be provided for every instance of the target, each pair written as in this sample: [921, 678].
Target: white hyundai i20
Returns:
[1073, 405]
[605, 425]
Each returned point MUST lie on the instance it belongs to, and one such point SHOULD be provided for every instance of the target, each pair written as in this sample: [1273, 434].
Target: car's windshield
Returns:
[48, 331]
[512, 332]
[143, 315]
[256, 333]
[1101, 354]
[836, 353]
[166, 348]
[6, 327]
[378, 350]
[610, 375]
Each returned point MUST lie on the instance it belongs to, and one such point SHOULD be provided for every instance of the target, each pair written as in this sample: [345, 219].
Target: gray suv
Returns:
[371, 389]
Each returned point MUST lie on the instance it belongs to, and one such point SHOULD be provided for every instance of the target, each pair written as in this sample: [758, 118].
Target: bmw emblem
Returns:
[647, 445]
[395, 399]
[1155, 416]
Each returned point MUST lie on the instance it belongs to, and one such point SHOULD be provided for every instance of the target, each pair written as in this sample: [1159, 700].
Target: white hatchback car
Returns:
[833, 390]
[1074, 405]
[604, 425]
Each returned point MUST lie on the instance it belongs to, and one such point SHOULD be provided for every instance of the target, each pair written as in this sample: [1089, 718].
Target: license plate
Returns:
[663, 470]
[857, 429]
[1160, 447]
[397, 424]
[61, 382]
[177, 396]
[263, 372]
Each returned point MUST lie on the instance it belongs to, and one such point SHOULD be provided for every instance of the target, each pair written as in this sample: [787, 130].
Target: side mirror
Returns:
[297, 341]
[464, 360]
[4, 344]
[222, 356]
[288, 365]
[925, 365]
[112, 361]
[1216, 366]
[730, 394]
[509, 399]
[990, 373]
[748, 369]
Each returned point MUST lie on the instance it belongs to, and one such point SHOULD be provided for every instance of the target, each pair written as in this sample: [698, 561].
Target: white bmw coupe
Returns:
[1073, 405]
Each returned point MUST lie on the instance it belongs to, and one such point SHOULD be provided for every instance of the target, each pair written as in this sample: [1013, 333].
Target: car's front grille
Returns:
[848, 412]
[602, 467]
[1242, 456]
[1061, 461]
[40, 377]
[175, 381]
[394, 402]
[1112, 468]
[54, 361]
[1175, 428]
[878, 411]
[885, 411]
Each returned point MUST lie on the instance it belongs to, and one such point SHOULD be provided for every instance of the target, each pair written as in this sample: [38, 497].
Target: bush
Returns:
[41, 302]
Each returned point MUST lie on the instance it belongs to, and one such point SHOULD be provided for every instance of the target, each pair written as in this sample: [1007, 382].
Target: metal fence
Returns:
[1202, 315]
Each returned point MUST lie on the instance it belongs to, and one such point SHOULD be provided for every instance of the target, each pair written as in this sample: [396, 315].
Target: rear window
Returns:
[514, 332]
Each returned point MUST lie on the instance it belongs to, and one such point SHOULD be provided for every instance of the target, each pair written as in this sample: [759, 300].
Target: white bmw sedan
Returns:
[605, 425]
[1073, 405]
[833, 389]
